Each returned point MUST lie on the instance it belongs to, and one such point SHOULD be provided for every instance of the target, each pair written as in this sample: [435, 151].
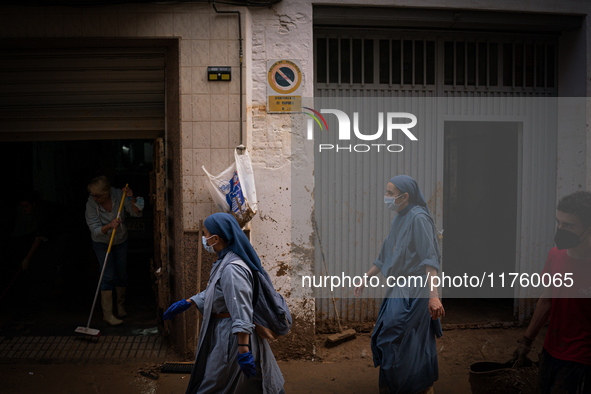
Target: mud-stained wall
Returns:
[283, 31]
[210, 130]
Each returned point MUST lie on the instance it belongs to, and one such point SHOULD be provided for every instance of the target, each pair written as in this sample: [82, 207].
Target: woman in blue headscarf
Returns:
[231, 356]
[403, 340]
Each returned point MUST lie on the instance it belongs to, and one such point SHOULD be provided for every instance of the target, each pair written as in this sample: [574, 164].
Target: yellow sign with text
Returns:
[285, 104]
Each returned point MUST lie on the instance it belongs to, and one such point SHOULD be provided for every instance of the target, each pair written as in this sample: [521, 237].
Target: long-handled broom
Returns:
[342, 335]
[92, 331]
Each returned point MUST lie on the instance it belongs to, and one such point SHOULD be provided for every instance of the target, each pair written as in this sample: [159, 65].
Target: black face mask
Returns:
[565, 239]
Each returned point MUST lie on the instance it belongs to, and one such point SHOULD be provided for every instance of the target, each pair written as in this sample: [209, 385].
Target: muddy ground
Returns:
[347, 368]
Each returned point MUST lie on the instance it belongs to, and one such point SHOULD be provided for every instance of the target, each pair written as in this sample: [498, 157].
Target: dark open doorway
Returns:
[480, 214]
[55, 294]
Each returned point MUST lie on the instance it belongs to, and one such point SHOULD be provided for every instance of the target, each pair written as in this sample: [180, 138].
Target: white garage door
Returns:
[460, 77]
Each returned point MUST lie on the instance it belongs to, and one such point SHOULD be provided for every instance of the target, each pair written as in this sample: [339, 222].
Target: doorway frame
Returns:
[523, 127]
[518, 177]
[171, 135]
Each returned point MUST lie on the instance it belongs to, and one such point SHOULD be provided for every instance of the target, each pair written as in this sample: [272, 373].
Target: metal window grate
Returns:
[523, 64]
[363, 61]
[529, 65]
[345, 60]
[407, 62]
[470, 63]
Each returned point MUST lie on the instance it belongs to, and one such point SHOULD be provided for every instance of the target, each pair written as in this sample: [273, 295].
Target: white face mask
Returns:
[207, 247]
[391, 202]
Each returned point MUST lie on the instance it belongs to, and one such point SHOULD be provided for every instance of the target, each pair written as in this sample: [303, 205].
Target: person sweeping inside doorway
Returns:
[231, 356]
[403, 340]
[101, 218]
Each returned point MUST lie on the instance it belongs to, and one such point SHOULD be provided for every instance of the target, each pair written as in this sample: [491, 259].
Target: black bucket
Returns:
[492, 378]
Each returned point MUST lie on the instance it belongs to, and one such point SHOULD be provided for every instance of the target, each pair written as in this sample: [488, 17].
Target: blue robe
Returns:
[403, 340]
[216, 367]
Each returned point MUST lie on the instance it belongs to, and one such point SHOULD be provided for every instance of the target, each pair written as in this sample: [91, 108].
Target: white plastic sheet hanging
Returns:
[233, 190]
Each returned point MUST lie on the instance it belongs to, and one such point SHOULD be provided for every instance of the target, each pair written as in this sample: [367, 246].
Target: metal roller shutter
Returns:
[81, 93]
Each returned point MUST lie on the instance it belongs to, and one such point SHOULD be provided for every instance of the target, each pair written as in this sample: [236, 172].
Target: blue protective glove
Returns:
[176, 308]
[246, 362]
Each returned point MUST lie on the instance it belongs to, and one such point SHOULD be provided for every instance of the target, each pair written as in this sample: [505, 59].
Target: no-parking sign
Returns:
[284, 81]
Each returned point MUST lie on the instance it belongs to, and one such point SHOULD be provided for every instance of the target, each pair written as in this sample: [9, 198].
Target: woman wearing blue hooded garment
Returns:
[231, 356]
[403, 340]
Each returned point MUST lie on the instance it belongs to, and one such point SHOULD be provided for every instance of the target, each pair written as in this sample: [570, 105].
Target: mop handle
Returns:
[105, 262]
[118, 216]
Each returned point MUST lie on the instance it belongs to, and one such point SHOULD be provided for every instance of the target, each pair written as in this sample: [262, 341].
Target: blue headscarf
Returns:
[226, 226]
[406, 184]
